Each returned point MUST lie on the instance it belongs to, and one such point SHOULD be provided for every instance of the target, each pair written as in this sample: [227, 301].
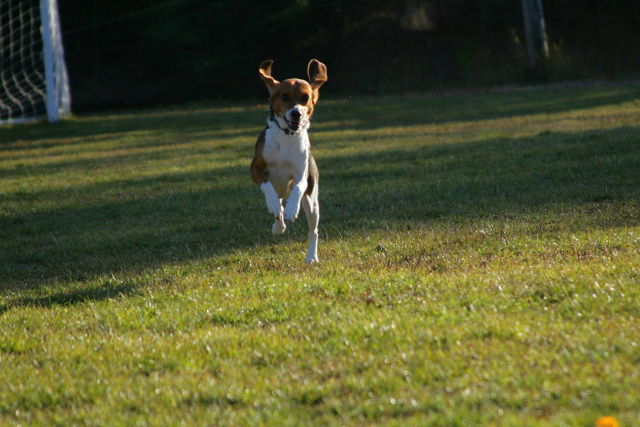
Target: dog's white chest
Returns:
[287, 159]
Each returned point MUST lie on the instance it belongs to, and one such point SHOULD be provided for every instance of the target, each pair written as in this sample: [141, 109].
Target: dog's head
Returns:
[292, 101]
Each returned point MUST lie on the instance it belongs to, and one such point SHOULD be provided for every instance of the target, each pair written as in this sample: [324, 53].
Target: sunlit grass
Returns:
[479, 266]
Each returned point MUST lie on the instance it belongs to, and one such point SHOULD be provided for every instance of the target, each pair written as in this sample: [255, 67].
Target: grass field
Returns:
[479, 254]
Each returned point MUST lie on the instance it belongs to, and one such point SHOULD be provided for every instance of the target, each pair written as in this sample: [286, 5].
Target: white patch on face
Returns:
[297, 113]
[296, 118]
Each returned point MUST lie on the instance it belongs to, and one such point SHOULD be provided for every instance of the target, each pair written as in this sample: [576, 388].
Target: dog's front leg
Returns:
[293, 204]
[273, 200]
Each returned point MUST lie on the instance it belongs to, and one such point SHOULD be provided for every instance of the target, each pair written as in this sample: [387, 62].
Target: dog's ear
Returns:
[265, 74]
[317, 73]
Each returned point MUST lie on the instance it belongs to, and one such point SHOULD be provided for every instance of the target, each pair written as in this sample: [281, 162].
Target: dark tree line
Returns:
[121, 53]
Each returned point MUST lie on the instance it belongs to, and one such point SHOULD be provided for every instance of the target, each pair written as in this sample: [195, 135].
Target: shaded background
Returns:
[123, 53]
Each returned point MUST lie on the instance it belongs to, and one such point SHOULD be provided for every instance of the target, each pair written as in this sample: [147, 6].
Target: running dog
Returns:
[282, 165]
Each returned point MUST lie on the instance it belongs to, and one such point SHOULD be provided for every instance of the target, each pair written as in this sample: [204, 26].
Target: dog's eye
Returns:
[284, 97]
[305, 99]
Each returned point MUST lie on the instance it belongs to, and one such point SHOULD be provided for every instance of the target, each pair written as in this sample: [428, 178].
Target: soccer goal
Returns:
[33, 76]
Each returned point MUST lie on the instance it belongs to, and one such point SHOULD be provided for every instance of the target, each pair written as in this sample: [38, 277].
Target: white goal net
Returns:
[33, 75]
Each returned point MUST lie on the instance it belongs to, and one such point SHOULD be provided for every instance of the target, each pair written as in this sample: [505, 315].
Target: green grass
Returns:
[479, 256]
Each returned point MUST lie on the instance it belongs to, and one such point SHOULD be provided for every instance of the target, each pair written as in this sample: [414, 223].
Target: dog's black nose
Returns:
[295, 115]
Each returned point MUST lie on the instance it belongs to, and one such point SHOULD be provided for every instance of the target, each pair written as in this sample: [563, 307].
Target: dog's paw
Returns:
[311, 260]
[275, 208]
[278, 227]
[291, 211]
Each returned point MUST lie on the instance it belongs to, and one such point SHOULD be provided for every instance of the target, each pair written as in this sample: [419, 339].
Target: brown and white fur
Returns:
[282, 165]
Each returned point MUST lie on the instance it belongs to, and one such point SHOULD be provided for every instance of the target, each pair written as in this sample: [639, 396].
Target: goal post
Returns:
[33, 77]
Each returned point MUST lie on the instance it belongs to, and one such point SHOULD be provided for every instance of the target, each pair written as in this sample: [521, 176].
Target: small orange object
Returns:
[607, 421]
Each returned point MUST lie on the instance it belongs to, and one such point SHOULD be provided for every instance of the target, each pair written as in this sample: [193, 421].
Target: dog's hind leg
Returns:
[312, 210]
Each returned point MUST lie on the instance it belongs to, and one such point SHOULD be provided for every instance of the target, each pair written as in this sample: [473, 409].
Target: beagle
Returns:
[282, 165]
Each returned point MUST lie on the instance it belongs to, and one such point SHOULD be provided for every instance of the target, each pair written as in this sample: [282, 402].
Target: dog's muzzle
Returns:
[294, 119]
[294, 125]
